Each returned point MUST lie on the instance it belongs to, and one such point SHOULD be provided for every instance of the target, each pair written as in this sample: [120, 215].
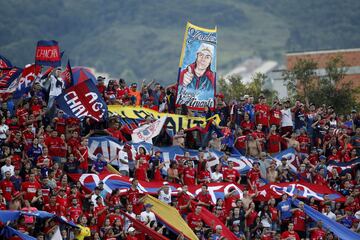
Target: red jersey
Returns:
[288, 234]
[240, 142]
[100, 216]
[183, 200]
[253, 175]
[274, 213]
[229, 202]
[74, 213]
[189, 176]
[133, 196]
[62, 200]
[140, 172]
[250, 219]
[204, 175]
[74, 143]
[204, 197]
[304, 143]
[275, 117]
[231, 175]
[54, 209]
[30, 189]
[317, 234]
[113, 217]
[274, 143]
[262, 112]
[299, 218]
[8, 189]
[193, 219]
[60, 125]
[54, 145]
[247, 126]
[85, 154]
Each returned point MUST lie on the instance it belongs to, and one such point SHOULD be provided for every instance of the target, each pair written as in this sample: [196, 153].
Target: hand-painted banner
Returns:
[147, 132]
[26, 81]
[343, 167]
[110, 147]
[174, 122]
[300, 189]
[114, 181]
[4, 63]
[48, 53]
[83, 100]
[197, 68]
[9, 81]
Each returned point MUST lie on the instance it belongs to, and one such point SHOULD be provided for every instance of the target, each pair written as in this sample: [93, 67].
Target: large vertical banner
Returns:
[197, 68]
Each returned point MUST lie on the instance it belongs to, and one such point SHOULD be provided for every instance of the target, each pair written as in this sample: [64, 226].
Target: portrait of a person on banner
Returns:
[198, 75]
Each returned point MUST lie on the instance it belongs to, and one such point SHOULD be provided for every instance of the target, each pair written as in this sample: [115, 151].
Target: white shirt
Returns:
[123, 161]
[5, 168]
[166, 198]
[330, 215]
[127, 222]
[3, 129]
[147, 217]
[216, 177]
[56, 86]
[286, 118]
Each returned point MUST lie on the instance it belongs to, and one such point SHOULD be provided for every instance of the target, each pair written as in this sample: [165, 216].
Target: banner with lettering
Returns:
[48, 53]
[83, 100]
[197, 69]
[28, 76]
[114, 181]
[174, 122]
[300, 189]
[9, 80]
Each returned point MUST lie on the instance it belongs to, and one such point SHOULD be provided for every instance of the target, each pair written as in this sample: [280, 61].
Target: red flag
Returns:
[67, 75]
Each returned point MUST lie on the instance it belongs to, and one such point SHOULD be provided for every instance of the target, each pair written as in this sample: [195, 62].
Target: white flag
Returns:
[147, 132]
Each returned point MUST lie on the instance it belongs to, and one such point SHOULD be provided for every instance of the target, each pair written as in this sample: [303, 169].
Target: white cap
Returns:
[165, 183]
[131, 229]
[206, 47]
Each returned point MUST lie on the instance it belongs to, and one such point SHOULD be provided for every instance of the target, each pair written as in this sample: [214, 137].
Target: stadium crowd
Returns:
[40, 145]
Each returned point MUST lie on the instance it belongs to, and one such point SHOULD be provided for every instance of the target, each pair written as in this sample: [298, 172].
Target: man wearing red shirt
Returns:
[61, 198]
[28, 136]
[230, 174]
[74, 141]
[275, 115]
[133, 197]
[299, 219]
[53, 207]
[54, 144]
[60, 122]
[240, 142]
[189, 174]
[194, 217]
[30, 187]
[141, 168]
[116, 132]
[7, 187]
[75, 211]
[101, 86]
[44, 158]
[204, 198]
[304, 141]
[184, 201]
[100, 212]
[262, 112]
[290, 233]
[253, 176]
[274, 141]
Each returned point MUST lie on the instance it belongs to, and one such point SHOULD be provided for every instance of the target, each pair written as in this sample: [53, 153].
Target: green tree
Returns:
[303, 74]
[328, 89]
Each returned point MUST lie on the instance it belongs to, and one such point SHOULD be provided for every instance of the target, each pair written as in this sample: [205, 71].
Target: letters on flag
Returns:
[300, 189]
[291, 155]
[4, 63]
[114, 181]
[147, 132]
[26, 80]
[174, 122]
[83, 100]
[197, 68]
[67, 76]
[48, 53]
[9, 81]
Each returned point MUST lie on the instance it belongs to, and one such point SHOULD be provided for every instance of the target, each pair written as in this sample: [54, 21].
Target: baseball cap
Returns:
[131, 229]
[148, 205]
